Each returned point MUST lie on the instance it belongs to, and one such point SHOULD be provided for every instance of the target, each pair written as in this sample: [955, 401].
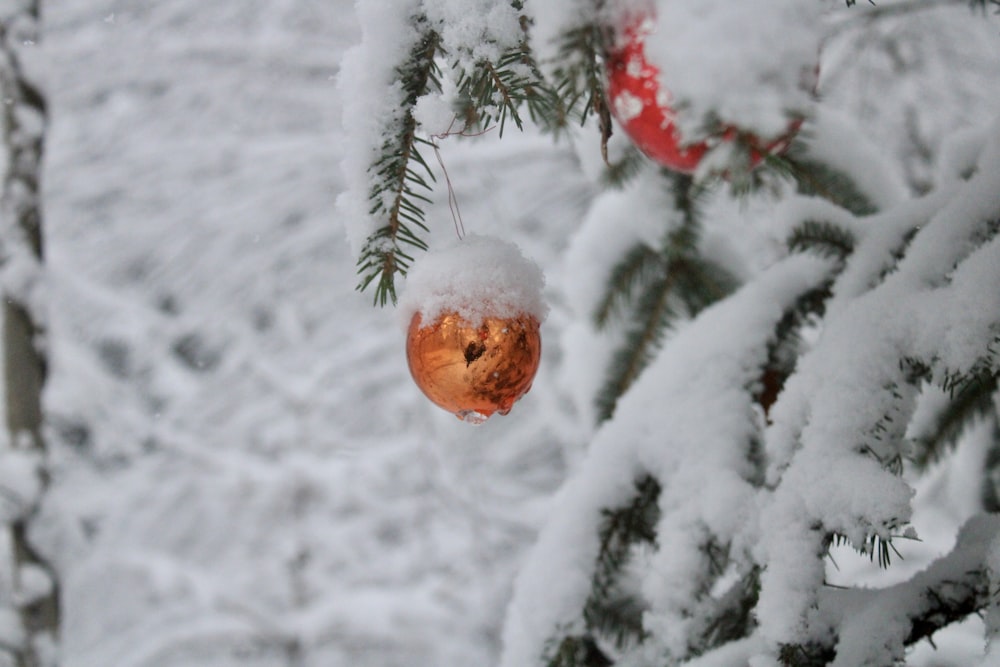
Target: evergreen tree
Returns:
[787, 416]
[30, 589]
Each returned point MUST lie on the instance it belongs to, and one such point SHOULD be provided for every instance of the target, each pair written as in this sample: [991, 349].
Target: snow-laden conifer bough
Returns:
[750, 428]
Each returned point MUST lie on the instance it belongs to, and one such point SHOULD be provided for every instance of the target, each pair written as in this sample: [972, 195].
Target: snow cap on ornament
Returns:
[474, 309]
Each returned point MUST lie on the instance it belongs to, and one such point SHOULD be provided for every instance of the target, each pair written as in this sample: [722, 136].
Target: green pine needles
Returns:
[492, 93]
[489, 94]
[579, 77]
[402, 176]
[610, 613]
[817, 178]
[651, 288]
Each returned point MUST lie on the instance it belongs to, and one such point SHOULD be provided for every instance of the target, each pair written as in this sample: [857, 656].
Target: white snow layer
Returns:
[824, 425]
[372, 104]
[686, 422]
[476, 277]
[20, 483]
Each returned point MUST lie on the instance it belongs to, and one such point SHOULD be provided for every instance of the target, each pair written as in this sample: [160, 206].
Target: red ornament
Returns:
[474, 371]
[642, 107]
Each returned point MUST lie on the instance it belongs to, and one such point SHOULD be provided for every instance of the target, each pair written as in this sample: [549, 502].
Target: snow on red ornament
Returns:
[474, 313]
[643, 108]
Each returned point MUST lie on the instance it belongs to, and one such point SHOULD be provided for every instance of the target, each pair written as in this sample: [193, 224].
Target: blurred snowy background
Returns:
[244, 473]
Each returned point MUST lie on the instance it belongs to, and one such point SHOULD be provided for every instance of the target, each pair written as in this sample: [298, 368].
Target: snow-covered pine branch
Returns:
[770, 498]
[689, 422]
[424, 71]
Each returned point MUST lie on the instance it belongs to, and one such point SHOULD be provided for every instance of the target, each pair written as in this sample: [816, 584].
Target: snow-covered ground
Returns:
[244, 472]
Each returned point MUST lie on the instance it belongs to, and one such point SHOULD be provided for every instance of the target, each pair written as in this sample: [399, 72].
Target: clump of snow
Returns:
[746, 64]
[435, 115]
[641, 212]
[959, 154]
[552, 19]
[476, 277]
[836, 141]
[33, 584]
[20, 484]
[11, 629]
[371, 104]
[474, 30]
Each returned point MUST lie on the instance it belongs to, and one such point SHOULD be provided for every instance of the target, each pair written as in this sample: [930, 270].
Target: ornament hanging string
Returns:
[456, 212]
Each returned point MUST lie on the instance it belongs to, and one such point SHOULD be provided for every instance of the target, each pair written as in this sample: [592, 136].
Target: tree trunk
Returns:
[21, 243]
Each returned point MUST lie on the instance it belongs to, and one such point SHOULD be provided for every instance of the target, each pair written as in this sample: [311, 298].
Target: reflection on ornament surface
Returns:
[473, 372]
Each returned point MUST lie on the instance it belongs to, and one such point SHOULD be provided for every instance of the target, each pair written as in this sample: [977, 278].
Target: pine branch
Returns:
[492, 92]
[487, 83]
[824, 238]
[402, 177]
[913, 6]
[620, 529]
[950, 602]
[617, 619]
[815, 178]
[617, 174]
[702, 283]
[733, 617]
[806, 655]
[873, 546]
[579, 77]
[638, 266]
[688, 197]
[969, 400]
[651, 317]
[949, 590]
[654, 285]
[782, 353]
[578, 652]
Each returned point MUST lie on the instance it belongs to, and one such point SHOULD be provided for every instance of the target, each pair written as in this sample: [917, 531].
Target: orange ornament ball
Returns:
[470, 370]
[473, 310]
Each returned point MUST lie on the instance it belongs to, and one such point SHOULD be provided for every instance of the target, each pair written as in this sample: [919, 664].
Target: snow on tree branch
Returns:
[748, 510]
[422, 71]
[688, 421]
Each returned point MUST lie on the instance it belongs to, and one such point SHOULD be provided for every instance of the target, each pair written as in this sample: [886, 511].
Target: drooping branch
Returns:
[401, 177]
[875, 626]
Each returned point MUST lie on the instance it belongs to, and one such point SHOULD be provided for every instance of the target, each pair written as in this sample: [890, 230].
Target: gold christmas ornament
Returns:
[474, 371]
